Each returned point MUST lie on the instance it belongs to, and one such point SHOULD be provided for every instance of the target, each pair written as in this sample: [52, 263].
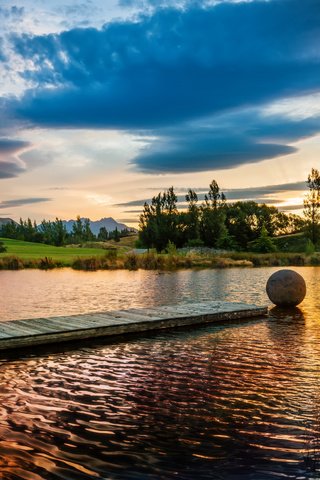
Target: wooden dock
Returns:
[53, 330]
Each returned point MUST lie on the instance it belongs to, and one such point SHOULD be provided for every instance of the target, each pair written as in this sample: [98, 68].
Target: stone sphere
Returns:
[286, 288]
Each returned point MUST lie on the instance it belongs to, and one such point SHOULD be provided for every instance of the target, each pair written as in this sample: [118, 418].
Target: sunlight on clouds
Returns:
[101, 200]
[291, 202]
[297, 108]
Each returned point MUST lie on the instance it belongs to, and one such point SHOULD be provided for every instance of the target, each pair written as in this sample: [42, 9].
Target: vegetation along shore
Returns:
[213, 234]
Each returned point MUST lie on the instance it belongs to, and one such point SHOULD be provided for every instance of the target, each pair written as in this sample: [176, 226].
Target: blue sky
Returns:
[104, 103]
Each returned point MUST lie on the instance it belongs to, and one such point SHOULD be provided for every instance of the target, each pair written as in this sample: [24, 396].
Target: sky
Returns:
[104, 103]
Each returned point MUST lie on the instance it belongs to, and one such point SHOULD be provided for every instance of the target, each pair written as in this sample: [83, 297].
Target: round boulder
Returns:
[286, 288]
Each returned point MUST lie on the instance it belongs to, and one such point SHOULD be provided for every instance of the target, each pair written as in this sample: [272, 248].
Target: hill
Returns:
[3, 221]
[109, 223]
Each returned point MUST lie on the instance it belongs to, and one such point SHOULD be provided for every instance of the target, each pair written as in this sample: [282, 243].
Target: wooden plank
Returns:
[41, 331]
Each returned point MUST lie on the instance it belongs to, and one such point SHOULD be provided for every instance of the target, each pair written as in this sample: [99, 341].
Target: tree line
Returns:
[55, 232]
[214, 223]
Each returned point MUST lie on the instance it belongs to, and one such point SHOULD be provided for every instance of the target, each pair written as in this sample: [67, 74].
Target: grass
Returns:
[118, 255]
[34, 251]
[294, 243]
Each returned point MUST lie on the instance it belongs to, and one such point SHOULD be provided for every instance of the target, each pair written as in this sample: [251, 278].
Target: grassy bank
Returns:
[21, 255]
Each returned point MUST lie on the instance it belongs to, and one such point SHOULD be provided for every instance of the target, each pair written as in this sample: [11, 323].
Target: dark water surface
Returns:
[233, 401]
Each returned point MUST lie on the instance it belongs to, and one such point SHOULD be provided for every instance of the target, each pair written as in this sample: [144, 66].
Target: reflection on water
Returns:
[61, 292]
[235, 401]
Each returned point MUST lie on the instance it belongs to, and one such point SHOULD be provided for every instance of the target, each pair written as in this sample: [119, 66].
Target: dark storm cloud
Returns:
[23, 201]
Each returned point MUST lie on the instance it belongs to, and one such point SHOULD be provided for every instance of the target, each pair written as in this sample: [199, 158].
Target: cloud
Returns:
[195, 80]
[23, 201]
[3, 56]
[172, 66]
[10, 169]
[13, 12]
[8, 145]
[248, 193]
[291, 208]
[224, 141]
[10, 163]
[258, 194]
[197, 151]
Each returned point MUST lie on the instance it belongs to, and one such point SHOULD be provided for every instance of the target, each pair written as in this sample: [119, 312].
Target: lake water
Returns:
[233, 401]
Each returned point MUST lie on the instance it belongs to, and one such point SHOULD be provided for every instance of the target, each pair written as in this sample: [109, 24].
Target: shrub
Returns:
[47, 263]
[195, 242]
[11, 263]
[310, 248]
[111, 254]
[171, 249]
[263, 244]
[151, 261]
[131, 261]
[89, 263]
[315, 260]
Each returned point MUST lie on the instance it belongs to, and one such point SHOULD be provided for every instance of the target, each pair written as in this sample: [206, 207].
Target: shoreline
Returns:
[162, 262]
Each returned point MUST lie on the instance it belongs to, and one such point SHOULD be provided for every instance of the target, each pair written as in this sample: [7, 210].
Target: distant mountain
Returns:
[3, 221]
[109, 223]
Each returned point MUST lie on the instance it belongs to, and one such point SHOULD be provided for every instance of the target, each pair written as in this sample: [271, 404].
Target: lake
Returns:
[229, 401]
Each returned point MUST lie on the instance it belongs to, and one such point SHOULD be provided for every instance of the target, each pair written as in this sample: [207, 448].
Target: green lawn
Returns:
[29, 250]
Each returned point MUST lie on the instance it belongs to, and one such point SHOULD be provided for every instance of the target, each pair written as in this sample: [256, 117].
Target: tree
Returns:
[77, 230]
[264, 243]
[312, 206]
[213, 231]
[115, 235]
[245, 221]
[87, 234]
[53, 233]
[191, 219]
[103, 234]
[160, 221]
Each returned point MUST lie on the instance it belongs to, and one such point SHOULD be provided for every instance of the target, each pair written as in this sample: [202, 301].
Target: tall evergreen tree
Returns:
[213, 231]
[192, 221]
[312, 206]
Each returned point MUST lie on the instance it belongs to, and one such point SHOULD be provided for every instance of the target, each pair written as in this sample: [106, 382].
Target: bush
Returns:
[310, 248]
[171, 249]
[195, 242]
[89, 263]
[263, 244]
[151, 261]
[47, 263]
[315, 260]
[11, 263]
[111, 254]
[131, 261]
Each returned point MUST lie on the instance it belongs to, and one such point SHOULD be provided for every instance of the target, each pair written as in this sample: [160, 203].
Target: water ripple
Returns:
[218, 402]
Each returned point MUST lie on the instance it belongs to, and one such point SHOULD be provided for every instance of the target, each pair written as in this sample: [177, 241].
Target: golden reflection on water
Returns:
[234, 401]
